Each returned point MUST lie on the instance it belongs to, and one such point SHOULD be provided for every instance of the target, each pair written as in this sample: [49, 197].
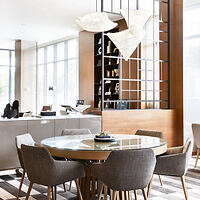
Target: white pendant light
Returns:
[96, 22]
[127, 41]
[137, 18]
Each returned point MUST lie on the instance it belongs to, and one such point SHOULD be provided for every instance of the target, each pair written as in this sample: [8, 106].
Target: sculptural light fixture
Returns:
[96, 22]
[127, 41]
[136, 18]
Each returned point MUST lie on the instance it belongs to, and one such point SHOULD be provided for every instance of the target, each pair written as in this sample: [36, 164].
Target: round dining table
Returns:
[85, 149]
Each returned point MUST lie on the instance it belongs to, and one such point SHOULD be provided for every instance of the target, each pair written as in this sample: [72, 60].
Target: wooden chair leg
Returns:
[161, 183]
[100, 190]
[129, 195]
[121, 195]
[135, 194]
[126, 195]
[144, 194]
[55, 192]
[49, 193]
[111, 194]
[52, 193]
[93, 188]
[20, 186]
[198, 151]
[117, 195]
[114, 195]
[64, 187]
[70, 186]
[184, 187]
[29, 190]
[78, 189]
[105, 192]
[149, 187]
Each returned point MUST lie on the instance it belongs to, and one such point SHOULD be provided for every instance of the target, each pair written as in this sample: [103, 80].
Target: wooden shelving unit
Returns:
[111, 71]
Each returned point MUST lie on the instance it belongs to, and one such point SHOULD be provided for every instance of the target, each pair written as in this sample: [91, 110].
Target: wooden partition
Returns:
[129, 121]
[170, 121]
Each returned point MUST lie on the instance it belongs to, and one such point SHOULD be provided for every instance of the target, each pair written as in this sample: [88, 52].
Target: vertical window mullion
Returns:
[55, 77]
[45, 76]
[66, 72]
[9, 91]
[77, 69]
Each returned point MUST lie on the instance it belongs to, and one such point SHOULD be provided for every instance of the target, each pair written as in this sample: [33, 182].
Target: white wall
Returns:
[191, 68]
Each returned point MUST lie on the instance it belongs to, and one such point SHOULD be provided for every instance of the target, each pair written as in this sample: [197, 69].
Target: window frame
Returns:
[55, 61]
[10, 72]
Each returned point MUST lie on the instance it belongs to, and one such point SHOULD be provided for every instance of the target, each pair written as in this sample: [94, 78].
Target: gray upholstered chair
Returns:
[158, 134]
[133, 172]
[76, 132]
[175, 163]
[19, 140]
[27, 140]
[42, 169]
[196, 134]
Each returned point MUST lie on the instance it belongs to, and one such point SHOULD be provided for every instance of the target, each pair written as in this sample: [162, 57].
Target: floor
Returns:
[171, 189]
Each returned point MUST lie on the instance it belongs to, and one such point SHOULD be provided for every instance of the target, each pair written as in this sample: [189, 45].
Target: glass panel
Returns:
[40, 87]
[4, 57]
[41, 56]
[50, 53]
[50, 85]
[72, 48]
[60, 51]
[60, 85]
[4, 87]
[72, 82]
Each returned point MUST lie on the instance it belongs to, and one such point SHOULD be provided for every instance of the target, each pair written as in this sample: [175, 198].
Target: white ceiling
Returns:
[41, 20]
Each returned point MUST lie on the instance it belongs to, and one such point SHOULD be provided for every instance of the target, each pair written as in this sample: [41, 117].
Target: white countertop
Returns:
[70, 116]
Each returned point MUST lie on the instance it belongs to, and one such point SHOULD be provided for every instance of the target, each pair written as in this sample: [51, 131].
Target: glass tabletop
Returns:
[87, 143]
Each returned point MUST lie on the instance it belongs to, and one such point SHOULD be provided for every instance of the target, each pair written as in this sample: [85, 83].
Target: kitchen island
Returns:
[39, 128]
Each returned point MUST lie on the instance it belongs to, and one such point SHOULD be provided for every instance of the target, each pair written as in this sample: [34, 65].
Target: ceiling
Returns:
[41, 20]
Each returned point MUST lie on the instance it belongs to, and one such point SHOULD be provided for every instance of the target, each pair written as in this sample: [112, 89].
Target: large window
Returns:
[7, 76]
[191, 60]
[57, 75]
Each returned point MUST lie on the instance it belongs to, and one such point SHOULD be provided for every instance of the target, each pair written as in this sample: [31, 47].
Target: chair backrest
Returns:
[196, 134]
[23, 139]
[187, 150]
[129, 169]
[76, 132]
[158, 134]
[38, 164]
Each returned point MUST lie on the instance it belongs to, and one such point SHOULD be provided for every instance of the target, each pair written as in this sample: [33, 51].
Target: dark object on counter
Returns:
[79, 102]
[21, 114]
[11, 111]
[48, 113]
[46, 108]
[122, 105]
[15, 106]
